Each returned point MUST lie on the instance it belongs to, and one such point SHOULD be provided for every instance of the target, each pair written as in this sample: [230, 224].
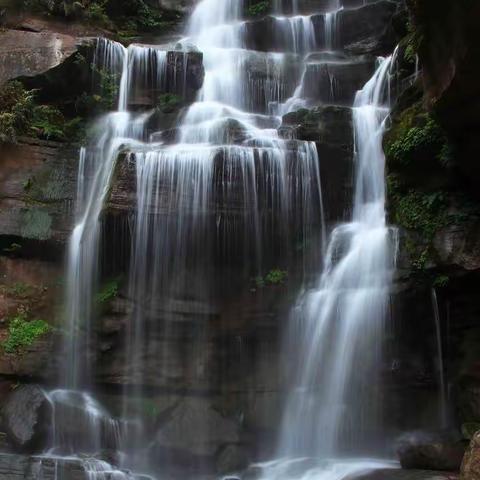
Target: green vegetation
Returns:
[126, 17]
[108, 292]
[168, 102]
[23, 333]
[273, 277]
[412, 43]
[425, 213]
[21, 290]
[21, 115]
[104, 101]
[258, 9]
[441, 281]
[414, 142]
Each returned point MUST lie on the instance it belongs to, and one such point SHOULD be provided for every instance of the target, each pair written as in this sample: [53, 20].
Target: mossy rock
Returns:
[36, 224]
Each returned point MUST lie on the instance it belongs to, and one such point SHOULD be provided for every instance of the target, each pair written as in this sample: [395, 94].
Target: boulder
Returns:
[192, 434]
[431, 451]
[27, 416]
[232, 458]
[195, 428]
[470, 469]
[367, 29]
[397, 474]
[336, 82]
[26, 54]
[20, 467]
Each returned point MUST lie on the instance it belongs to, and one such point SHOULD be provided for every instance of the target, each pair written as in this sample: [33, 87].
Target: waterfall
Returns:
[228, 193]
[337, 327]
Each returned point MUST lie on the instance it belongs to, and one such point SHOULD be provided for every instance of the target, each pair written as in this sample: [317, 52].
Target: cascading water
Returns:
[229, 187]
[336, 330]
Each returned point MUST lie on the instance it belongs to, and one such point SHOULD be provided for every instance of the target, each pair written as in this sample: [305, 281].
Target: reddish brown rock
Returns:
[471, 461]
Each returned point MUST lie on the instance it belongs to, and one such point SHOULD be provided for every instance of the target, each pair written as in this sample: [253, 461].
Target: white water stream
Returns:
[337, 326]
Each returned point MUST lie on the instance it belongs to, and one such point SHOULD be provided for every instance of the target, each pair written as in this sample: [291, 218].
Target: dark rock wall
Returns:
[432, 177]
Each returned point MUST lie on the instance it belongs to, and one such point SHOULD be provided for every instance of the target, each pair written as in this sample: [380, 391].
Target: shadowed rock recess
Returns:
[239, 238]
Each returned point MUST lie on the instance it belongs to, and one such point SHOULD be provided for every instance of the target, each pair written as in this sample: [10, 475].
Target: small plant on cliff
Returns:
[23, 333]
[107, 293]
[107, 87]
[168, 102]
[441, 281]
[276, 276]
[257, 9]
[273, 277]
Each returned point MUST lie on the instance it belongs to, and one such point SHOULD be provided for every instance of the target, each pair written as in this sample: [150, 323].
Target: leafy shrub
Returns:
[20, 115]
[95, 13]
[17, 107]
[23, 333]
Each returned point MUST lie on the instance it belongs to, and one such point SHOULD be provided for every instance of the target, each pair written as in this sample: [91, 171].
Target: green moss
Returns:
[36, 224]
[168, 102]
[422, 212]
[23, 333]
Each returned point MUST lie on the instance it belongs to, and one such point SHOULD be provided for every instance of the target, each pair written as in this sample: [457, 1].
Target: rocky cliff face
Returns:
[432, 198]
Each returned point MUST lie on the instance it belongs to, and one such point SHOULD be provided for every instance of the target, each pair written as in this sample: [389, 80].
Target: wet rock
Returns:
[431, 451]
[450, 69]
[470, 469]
[336, 82]
[27, 418]
[26, 54]
[397, 474]
[232, 458]
[185, 73]
[37, 190]
[367, 29]
[195, 428]
[20, 467]
[330, 127]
